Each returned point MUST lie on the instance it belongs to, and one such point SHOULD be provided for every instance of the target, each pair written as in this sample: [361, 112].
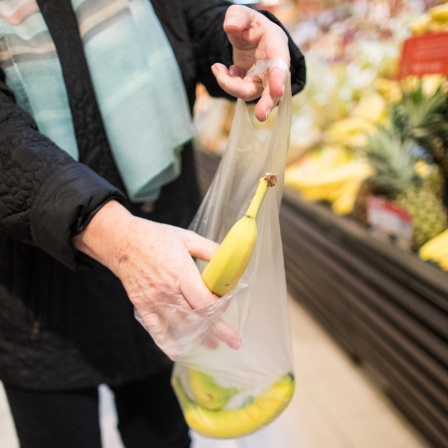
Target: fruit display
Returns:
[375, 134]
[396, 176]
[362, 127]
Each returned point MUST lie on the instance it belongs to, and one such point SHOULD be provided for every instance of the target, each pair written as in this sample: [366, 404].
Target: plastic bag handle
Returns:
[261, 66]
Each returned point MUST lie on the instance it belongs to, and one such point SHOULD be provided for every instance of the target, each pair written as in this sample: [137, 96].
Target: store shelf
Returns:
[385, 307]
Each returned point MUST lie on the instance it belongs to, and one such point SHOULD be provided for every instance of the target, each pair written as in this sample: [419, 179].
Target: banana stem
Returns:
[269, 180]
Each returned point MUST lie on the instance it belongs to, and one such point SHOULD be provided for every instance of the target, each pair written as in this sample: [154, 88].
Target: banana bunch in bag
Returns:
[205, 411]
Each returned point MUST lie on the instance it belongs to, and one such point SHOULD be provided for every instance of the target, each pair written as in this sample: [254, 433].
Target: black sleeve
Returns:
[298, 66]
[45, 195]
[206, 18]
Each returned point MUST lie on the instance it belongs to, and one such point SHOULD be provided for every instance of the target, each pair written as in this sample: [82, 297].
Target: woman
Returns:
[86, 87]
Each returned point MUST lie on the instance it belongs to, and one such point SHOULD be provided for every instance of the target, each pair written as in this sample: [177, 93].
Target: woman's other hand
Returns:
[254, 38]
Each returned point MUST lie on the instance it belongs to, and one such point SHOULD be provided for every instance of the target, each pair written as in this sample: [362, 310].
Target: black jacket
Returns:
[65, 320]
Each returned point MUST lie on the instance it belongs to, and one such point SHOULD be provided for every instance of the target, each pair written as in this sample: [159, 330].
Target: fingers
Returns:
[254, 38]
[237, 26]
[272, 94]
[199, 296]
[175, 330]
[270, 83]
[269, 87]
[246, 88]
[193, 288]
[191, 285]
[198, 246]
[227, 334]
[202, 300]
[248, 30]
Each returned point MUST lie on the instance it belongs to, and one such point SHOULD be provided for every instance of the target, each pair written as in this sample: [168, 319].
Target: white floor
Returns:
[335, 405]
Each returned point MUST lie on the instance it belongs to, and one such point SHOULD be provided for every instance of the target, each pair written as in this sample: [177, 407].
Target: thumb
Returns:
[238, 18]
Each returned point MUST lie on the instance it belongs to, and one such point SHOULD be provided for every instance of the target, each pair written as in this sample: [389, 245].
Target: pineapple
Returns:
[396, 177]
[432, 175]
[428, 221]
[422, 116]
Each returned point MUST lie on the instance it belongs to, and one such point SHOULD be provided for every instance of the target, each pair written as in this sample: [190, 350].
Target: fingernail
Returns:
[267, 113]
[231, 20]
[236, 343]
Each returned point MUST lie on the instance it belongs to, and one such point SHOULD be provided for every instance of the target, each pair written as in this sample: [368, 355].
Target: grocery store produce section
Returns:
[365, 210]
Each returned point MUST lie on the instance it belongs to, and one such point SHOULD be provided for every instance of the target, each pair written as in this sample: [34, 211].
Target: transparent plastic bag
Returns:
[226, 393]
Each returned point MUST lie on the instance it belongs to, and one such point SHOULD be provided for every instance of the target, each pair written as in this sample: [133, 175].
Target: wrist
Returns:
[104, 238]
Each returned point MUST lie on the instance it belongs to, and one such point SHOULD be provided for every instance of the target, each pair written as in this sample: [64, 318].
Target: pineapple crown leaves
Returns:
[423, 117]
[393, 160]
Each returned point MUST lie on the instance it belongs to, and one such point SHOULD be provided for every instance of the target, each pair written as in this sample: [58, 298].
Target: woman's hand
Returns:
[154, 262]
[254, 38]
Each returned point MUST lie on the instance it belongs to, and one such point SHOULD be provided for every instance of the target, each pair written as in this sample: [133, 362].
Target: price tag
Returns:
[424, 55]
[389, 222]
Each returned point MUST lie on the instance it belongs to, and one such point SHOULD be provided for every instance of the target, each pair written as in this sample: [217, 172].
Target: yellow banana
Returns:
[207, 392]
[349, 131]
[442, 257]
[420, 24]
[228, 264]
[444, 263]
[343, 205]
[389, 89]
[371, 107]
[232, 423]
[438, 254]
[327, 185]
[430, 250]
[439, 12]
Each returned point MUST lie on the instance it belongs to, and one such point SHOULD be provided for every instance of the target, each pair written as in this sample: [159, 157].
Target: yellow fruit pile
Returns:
[433, 21]
[352, 131]
[436, 250]
[330, 174]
